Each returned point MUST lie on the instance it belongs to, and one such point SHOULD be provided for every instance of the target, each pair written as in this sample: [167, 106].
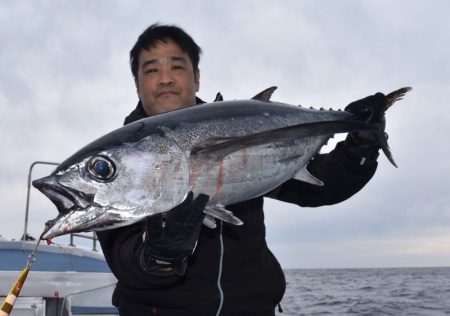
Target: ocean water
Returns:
[393, 291]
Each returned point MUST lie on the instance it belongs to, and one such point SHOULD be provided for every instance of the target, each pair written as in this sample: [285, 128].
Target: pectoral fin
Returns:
[222, 147]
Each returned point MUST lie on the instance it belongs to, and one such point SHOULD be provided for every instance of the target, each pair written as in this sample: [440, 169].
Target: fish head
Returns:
[109, 186]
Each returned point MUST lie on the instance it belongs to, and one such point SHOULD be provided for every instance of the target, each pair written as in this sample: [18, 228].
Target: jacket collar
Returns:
[139, 112]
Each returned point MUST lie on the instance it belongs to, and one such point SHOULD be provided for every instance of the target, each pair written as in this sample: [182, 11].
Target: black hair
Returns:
[161, 33]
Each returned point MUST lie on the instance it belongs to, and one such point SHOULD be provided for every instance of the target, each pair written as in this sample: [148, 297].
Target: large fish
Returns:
[230, 150]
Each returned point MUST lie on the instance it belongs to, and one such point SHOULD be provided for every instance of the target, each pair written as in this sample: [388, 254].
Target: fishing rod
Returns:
[10, 299]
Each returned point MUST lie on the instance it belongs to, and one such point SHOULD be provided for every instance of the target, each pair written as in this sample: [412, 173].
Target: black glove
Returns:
[171, 240]
[371, 110]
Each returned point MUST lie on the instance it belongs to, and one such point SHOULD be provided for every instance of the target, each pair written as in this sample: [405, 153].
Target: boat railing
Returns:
[92, 237]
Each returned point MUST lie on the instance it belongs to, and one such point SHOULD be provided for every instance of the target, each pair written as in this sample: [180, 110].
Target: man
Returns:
[172, 265]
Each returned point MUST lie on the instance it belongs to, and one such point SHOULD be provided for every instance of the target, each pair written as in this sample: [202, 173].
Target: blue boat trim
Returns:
[14, 260]
[94, 310]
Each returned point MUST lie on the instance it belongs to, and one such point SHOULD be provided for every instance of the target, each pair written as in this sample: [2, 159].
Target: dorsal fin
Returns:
[219, 97]
[265, 95]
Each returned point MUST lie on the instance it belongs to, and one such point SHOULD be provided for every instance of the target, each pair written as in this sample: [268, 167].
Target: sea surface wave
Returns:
[384, 291]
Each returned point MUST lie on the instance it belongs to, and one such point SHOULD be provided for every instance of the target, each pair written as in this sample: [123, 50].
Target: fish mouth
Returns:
[67, 201]
[64, 198]
[77, 211]
[93, 218]
[74, 222]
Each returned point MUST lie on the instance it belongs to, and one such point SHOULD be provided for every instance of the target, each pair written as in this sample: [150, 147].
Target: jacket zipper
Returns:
[219, 277]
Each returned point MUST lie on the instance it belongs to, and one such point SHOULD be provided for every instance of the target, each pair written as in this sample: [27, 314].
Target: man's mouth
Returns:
[167, 93]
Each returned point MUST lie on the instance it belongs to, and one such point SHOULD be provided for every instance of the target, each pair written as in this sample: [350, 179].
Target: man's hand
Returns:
[171, 240]
[370, 109]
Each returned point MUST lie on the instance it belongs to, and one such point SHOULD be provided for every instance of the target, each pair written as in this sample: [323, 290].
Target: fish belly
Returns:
[251, 172]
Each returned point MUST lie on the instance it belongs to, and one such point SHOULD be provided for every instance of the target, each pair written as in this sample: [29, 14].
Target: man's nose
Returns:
[166, 77]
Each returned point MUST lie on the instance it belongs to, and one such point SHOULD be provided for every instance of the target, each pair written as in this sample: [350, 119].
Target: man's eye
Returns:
[177, 67]
[150, 70]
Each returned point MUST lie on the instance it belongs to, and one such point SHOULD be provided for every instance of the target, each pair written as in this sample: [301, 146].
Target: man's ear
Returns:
[197, 80]
[136, 83]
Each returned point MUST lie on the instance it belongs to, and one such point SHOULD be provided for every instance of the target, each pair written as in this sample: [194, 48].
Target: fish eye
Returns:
[101, 168]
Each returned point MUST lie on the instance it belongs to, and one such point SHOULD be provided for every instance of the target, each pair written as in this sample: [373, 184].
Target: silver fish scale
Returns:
[225, 180]
[188, 134]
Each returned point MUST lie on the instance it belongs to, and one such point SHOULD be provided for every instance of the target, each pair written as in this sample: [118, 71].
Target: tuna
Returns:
[230, 150]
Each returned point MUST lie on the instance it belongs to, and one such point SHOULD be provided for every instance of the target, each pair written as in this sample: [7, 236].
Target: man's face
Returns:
[166, 78]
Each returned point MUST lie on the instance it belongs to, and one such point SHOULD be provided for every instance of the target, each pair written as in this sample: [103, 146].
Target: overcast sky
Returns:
[65, 81]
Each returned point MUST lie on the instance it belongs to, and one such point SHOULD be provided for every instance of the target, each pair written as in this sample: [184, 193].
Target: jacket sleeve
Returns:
[343, 171]
[122, 249]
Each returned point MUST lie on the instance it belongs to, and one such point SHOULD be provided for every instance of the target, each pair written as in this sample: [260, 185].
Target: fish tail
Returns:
[395, 96]
[381, 136]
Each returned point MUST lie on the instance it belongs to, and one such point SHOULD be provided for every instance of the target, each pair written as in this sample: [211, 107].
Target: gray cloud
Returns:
[65, 81]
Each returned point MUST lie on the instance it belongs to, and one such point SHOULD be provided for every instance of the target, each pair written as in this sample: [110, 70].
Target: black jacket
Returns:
[251, 279]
